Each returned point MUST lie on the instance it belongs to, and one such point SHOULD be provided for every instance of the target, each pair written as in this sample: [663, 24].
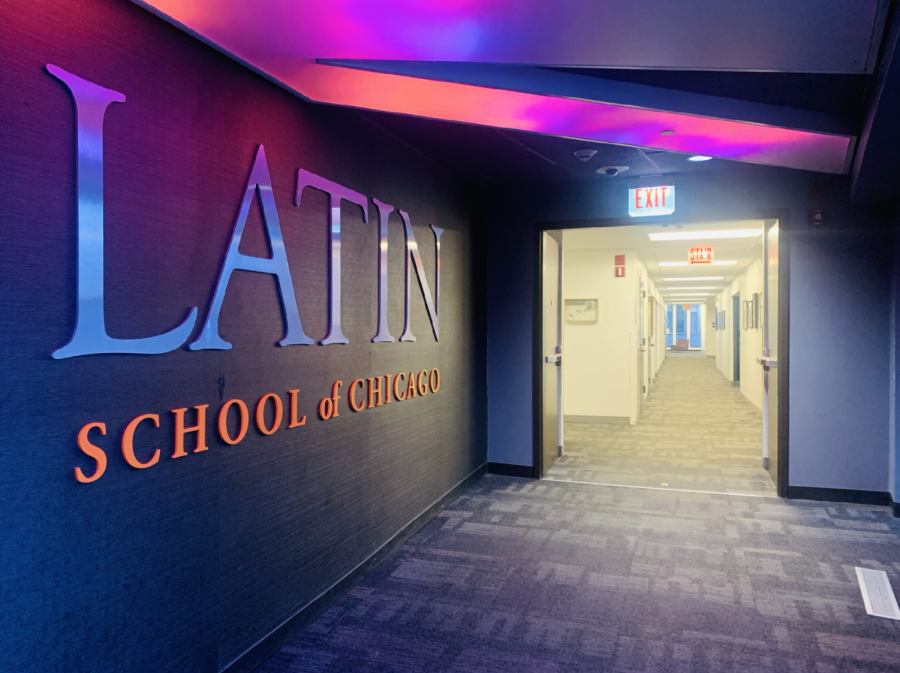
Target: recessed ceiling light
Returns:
[699, 157]
[705, 235]
[667, 132]
[719, 262]
[691, 280]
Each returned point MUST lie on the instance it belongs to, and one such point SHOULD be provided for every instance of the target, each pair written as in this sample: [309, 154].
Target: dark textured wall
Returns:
[185, 565]
[840, 314]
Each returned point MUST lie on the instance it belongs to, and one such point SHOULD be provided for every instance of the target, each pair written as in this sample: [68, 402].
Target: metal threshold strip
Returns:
[659, 488]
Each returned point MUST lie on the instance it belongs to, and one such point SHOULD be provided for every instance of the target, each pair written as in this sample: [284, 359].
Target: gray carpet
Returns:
[697, 432]
[520, 575]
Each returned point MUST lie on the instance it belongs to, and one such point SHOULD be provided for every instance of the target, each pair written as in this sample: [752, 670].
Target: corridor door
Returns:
[642, 346]
[769, 359]
[551, 384]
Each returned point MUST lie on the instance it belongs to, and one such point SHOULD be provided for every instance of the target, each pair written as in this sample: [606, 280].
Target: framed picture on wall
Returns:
[745, 314]
[581, 310]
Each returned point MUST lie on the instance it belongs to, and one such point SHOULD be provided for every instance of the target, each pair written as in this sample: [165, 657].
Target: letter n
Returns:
[413, 258]
[260, 184]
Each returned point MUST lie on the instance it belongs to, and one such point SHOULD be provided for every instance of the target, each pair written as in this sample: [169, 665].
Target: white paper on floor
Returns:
[877, 593]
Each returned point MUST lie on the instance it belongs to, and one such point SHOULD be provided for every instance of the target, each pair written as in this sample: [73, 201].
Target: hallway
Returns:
[697, 433]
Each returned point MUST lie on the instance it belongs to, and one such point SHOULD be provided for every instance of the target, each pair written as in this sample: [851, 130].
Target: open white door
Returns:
[769, 359]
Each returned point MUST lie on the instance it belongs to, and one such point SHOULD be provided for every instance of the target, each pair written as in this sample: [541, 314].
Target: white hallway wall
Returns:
[710, 336]
[750, 281]
[600, 360]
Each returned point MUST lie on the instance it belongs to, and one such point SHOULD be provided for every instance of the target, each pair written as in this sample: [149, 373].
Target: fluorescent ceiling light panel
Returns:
[705, 235]
[691, 280]
[721, 262]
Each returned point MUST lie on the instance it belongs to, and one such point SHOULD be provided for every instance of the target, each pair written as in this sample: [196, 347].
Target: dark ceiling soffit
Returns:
[541, 81]
[875, 173]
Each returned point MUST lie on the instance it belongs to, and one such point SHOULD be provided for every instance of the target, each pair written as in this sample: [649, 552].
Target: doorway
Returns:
[586, 421]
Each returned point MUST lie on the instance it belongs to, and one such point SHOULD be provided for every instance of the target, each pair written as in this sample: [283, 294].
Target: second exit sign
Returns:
[700, 256]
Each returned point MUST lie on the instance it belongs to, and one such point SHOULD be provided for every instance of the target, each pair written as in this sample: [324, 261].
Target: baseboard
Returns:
[601, 420]
[507, 470]
[882, 498]
[270, 644]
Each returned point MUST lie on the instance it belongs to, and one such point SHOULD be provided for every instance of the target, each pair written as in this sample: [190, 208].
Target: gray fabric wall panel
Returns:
[185, 565]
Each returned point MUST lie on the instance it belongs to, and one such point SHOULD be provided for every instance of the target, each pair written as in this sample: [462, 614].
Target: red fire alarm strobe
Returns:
[620, 272]
[700, 256]
[620, 260]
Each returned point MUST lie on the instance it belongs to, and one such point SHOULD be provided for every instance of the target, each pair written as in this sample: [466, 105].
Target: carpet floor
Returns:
[519, 575]
[697, 432]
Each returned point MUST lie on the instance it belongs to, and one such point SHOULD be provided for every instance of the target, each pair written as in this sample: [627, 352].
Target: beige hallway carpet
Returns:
[697, 432]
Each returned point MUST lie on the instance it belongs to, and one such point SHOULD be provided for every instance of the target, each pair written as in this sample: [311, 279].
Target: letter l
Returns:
[90, 337]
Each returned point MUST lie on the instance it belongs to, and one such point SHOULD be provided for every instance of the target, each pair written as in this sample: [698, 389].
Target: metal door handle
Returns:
[767, 363]
[554, 360]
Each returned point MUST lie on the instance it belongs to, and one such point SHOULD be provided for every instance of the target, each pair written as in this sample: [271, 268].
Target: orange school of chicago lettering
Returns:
[373, 392]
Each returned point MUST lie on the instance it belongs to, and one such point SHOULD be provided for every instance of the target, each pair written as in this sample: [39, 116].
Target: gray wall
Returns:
[840, 324]
[185, 565]
[840, 358]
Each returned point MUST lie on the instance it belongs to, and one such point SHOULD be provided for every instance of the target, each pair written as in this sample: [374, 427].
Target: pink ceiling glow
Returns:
[283, 39]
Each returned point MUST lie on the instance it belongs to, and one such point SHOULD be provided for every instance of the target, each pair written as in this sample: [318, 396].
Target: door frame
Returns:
[736, 327]
[784, 279]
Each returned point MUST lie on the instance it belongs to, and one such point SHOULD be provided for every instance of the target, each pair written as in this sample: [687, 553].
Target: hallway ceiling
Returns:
[489, 156]
[744, 251]
[474, 62]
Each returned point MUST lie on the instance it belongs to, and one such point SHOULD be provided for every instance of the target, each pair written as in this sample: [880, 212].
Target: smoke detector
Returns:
[611, 171]
[585, 155]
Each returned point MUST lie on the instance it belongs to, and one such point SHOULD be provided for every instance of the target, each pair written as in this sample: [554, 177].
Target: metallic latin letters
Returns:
[258, 183]
[412, 257]
[336, 193]
[90, 337]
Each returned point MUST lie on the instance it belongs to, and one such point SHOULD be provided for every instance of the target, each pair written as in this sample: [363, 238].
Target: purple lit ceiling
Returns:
[284, 38]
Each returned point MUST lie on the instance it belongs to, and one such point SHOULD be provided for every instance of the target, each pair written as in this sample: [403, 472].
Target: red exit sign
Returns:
[645, 201]
[700, 256]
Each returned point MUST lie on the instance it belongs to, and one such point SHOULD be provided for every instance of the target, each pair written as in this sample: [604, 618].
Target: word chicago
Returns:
[268, 416]
[90, 336]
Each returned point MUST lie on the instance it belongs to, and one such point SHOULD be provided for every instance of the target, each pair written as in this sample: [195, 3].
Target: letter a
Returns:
[90, 337]
[259, 183]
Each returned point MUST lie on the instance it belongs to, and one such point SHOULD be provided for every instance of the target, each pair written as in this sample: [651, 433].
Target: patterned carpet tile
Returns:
[519, 575]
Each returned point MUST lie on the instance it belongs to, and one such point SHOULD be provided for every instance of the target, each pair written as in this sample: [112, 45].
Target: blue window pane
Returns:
[669, 325]
[695, 326]
[680, 323]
